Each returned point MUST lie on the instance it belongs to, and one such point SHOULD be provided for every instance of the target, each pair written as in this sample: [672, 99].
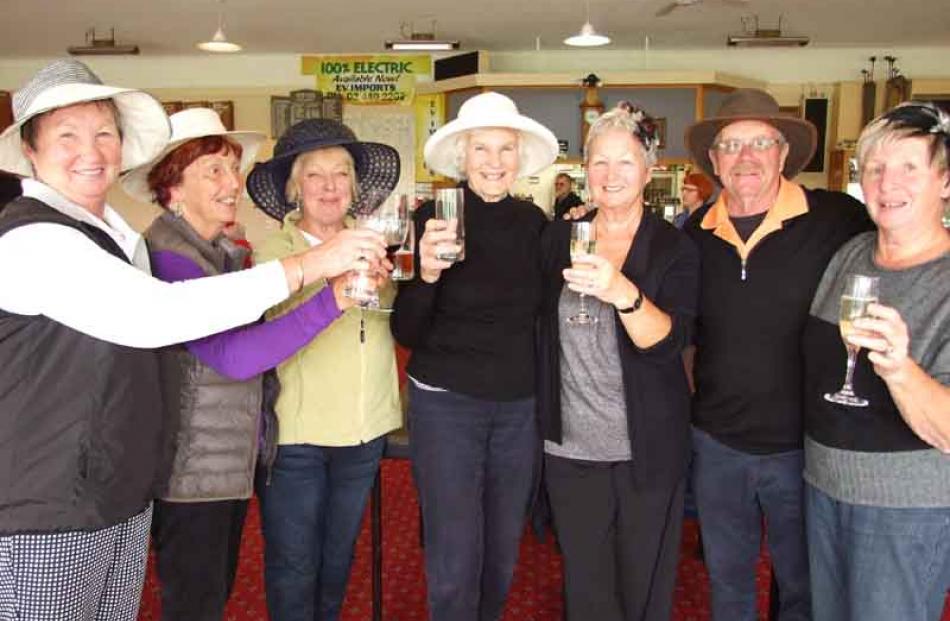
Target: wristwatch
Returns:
[635, 306]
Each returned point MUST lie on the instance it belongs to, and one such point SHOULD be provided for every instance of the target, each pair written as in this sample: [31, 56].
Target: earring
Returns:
[178, 209]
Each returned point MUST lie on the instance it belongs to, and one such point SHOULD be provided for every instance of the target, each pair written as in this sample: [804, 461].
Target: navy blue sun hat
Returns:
[376, 164]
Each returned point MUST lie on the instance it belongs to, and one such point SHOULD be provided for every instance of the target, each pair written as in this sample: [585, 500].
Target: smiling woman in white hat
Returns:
[470, 327]
[81, 437]
[215, 381]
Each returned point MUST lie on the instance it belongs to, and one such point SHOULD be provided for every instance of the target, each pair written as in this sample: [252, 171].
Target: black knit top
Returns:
[472, 331]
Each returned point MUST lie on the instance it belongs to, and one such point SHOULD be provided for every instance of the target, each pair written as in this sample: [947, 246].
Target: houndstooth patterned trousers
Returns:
[75, 576]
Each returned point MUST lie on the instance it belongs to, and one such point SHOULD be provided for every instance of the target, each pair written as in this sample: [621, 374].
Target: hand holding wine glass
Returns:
[583, 243]
[859, 292]
[883, 332]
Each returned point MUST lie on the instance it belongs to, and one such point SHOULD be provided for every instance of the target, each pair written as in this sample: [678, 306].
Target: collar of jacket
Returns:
[790, 203]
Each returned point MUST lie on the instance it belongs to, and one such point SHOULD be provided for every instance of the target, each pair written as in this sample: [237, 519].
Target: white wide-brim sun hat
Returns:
[539, 146]
[188, 125]
[142, 120]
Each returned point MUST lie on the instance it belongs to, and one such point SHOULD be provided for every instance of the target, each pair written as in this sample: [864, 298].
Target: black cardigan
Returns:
[664, 264]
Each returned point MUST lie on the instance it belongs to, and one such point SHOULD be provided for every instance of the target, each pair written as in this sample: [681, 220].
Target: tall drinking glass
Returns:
[391, 219]
[583, 242]
[450, 206]
[859, 292]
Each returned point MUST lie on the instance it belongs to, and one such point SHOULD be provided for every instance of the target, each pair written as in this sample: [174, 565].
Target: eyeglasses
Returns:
[731, 146]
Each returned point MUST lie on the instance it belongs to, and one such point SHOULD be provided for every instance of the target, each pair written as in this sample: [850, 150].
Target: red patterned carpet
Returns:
[535, 596]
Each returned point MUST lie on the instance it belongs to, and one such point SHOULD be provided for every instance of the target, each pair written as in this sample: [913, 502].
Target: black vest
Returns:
[80, 418]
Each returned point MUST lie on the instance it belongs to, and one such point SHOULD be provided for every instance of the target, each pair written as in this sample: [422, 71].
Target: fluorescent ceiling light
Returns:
[422, 45]
[587, 37]
[765, 40]
[101, 47]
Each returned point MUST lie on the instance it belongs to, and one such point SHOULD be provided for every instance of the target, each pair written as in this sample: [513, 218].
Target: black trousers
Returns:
[197, 546]
[620, 542]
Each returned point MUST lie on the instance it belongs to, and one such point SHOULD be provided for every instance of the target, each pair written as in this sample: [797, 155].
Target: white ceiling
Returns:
[171, 27]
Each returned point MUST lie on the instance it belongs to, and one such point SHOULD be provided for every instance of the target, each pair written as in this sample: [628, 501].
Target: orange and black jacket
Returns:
[754, 303]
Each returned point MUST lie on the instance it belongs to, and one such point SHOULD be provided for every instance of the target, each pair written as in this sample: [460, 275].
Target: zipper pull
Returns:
[362, 328]
[742, 274]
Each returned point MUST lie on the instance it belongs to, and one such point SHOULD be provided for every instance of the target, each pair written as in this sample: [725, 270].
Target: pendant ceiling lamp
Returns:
[587, 37]
[219, 42]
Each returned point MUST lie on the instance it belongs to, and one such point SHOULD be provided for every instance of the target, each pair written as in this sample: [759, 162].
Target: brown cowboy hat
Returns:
[752, 104]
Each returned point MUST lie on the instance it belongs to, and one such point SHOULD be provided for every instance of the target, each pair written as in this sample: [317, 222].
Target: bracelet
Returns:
[635, 306]
[300, 273]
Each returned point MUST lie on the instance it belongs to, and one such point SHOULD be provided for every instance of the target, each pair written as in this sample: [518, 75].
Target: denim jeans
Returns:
[734, 491]
[311, 510]
[876, 563]
[475, 465]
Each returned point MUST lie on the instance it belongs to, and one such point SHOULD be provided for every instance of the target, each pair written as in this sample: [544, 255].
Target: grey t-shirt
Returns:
[593, 406]
[922, 296]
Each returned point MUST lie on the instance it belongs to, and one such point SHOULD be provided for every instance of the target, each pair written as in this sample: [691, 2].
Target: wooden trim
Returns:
[634, 79]
[700, 112]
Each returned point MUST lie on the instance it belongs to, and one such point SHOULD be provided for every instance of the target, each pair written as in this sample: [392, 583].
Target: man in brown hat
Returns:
[764, 245]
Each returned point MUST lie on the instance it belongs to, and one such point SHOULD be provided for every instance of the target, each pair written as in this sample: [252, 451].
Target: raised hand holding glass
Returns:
[859, 292]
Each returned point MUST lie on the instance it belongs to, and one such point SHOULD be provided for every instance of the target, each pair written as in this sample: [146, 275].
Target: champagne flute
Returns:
[859, 292]
[583, 242]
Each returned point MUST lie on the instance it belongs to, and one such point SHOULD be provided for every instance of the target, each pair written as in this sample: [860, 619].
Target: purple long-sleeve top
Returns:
[245, 351]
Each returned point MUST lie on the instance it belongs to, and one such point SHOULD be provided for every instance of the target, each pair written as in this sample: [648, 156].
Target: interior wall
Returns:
[249, 80]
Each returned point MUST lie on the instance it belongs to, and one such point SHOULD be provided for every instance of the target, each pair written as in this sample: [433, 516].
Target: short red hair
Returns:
[168, 173]
[702, 184]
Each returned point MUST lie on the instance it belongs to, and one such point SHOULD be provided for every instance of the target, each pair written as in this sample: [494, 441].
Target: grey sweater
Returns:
[869, 455]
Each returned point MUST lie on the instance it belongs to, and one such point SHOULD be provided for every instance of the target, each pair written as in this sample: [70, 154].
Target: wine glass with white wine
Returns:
[859, 292]
[583, 242]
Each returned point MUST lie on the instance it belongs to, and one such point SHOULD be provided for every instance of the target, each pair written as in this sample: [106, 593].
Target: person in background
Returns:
[82, 430]
[212, 385]
[764, 244]
[696, 191]
[564, 195]
[470, 325]
[613, 397]
[878, 477]
[339, 395]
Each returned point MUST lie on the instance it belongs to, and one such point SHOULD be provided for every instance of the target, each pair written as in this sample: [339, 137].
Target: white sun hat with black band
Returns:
[142, 120]
[188, 125]
[539, 146]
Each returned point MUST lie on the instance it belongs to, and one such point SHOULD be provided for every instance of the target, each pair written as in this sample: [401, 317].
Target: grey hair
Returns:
[631, 119]
[292, 189]
[461, 144]
[913, 119]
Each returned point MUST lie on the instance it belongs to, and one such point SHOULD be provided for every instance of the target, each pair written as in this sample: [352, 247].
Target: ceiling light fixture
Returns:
[101, 47]
[763, 37]
[219, 42]
[420, 41]
[587, 37]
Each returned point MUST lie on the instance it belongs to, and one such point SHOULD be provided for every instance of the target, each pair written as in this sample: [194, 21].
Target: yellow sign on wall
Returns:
[430, 116]
[380, 79]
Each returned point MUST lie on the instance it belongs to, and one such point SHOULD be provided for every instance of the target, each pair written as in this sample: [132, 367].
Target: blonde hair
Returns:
[913, 119]
[292, 189]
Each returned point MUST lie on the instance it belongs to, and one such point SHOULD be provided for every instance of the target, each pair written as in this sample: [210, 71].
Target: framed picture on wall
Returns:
[225, 110]
[661, 132]
[279, 115]
[171, 107]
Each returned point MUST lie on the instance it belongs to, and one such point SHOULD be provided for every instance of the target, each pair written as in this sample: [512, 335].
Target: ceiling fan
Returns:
[672, 6]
